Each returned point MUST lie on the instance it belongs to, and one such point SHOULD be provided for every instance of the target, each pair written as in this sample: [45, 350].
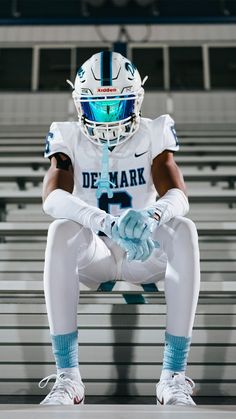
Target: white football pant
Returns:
[75, 254]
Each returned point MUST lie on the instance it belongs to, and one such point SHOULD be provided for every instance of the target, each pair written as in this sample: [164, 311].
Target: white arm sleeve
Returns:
[62, 204]
[170, 205]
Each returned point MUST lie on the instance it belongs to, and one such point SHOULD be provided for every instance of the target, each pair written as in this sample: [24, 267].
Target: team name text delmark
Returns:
[122, 179]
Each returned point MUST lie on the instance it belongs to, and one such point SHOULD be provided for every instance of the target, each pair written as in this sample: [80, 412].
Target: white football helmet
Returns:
[108, 95]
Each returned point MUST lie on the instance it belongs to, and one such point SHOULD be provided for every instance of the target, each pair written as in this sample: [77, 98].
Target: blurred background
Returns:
[186, 47]
[188, 50]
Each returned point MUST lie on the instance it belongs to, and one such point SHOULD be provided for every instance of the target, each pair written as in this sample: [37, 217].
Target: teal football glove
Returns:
[135, 249]
[140, 249]
[133, 224]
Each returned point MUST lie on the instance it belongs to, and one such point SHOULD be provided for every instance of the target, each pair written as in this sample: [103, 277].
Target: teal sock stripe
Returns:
[65, 350]
[176, 352]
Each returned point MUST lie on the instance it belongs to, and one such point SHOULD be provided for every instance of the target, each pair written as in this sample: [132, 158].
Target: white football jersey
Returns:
[129, 162]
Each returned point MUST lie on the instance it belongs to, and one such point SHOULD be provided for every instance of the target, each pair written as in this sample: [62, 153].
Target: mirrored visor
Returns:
[112, 110]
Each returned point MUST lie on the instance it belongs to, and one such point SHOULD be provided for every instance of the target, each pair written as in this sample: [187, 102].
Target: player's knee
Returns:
[62, 230]
[187, 230]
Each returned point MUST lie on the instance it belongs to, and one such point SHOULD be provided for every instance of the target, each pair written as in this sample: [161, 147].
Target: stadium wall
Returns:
[186, 107]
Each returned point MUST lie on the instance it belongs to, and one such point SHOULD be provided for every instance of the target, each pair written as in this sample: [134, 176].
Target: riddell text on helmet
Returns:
[107, 90]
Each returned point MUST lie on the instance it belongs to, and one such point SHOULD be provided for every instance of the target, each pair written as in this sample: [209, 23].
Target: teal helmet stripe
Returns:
[106, 68]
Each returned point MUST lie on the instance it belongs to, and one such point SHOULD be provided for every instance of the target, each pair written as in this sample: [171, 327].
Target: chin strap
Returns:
[104, 184]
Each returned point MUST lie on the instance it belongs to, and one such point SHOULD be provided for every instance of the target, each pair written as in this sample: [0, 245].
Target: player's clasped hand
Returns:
[139, 249]
[133, 224]
[135, 249]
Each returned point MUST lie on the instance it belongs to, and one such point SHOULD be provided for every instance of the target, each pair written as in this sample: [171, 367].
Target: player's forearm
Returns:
[62, 204]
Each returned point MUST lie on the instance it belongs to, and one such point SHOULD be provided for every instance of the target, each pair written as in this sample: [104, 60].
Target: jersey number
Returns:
[123, 199]
[174, 134]
[47, 144]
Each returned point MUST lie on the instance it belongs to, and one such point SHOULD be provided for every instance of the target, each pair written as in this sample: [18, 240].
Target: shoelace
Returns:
[62, 385]
[181, 387]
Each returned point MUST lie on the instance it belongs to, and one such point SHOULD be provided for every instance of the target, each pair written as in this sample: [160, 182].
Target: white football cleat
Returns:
[65, 390]
[176, 390]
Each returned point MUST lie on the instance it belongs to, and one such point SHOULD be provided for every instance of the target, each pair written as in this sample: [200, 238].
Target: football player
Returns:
[119, 201]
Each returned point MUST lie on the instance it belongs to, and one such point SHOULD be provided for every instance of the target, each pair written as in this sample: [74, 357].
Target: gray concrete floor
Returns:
[105, 411]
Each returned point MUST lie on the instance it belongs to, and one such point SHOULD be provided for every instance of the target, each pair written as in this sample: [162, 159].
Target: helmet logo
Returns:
[130, 68]
[81, 72]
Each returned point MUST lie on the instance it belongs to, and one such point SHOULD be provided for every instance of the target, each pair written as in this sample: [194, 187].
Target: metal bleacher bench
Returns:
[28, 150]
[133, 332]
[25, 275]
[184, 141]
[34, 150]
[199, 161]
[214, 228]
[208, 141]
[21, 197]
[121, 345]
[23, 175]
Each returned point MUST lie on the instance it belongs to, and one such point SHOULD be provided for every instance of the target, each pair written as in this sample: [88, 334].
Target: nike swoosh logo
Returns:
[140, 154]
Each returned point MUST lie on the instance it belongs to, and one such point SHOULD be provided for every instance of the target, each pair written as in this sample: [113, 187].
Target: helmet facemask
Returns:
[112, 119]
